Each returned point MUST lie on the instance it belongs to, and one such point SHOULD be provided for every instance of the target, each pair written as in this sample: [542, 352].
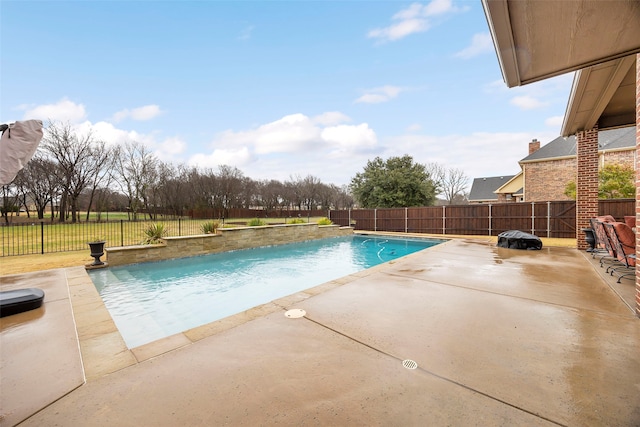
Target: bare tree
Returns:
[75, 155]
[293, 192]
[136, 169]
[39, 182]
[454, 185]
[342, 198]
[270, 194]
[9, 200]
[177, 185]
[230, 188]
[103, 159]
[451, 183]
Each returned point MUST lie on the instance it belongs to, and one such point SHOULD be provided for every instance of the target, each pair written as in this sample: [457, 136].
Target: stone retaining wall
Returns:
[227, 239]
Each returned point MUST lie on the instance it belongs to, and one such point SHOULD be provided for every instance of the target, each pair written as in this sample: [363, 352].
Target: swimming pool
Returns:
[153, 300]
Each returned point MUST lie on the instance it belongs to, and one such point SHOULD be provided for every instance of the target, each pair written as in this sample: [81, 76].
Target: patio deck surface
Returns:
[499, 336]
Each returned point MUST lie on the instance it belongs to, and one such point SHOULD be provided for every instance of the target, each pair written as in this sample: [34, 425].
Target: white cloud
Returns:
[480, 43]
[231, 157]
[293, 144]
[479, 154]
[555, 121]
[438, 7]
[349, 139]
[297, 133]
[379, 94]
[246, 32]
[144, 113]
[111, 135]
[400, 30]
[170, 148]
[414, 127]
[331, 118]
[288, 134]
[413, 19]
[64, 111]
[527, 102]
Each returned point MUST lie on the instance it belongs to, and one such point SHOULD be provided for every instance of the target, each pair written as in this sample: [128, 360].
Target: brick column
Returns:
[637, 180]
[587, 183]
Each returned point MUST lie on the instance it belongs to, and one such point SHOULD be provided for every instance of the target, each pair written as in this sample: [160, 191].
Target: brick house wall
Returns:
[547, 179]
[624, 158]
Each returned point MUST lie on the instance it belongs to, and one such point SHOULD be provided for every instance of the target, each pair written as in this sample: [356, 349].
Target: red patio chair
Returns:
[623, 241]
[603, 245]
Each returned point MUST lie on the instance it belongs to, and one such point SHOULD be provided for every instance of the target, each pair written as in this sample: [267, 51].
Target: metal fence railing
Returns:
[40, 237]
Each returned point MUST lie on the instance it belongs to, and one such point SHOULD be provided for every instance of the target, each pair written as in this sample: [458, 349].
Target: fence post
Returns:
[533, 217]
[179, 227]
[349, 217]
[42, 237]
[490, 221]
[121, 232]
[406, 220]
[444, 219]
[548, 219]
[375, 220]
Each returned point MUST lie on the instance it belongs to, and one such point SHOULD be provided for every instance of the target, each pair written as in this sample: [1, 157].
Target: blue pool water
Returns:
[153, 300]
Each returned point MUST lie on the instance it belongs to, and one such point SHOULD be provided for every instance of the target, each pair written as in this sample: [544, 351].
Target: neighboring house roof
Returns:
[483, 189]
[613, 139]
[513, 186]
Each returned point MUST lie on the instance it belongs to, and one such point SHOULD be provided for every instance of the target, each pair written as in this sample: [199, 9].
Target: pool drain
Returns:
[409, 364]
[295, 313]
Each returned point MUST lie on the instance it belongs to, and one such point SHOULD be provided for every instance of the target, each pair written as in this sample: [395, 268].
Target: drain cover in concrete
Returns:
[409, 364]
[295, 313]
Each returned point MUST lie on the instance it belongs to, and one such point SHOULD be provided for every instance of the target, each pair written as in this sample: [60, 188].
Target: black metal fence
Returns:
[45, 237]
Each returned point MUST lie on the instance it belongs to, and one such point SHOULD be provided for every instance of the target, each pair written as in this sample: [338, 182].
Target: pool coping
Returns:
[104, 350]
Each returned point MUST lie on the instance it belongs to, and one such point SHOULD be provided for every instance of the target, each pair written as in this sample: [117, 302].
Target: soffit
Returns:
[603, 94]
[513, 185]
[536, 39]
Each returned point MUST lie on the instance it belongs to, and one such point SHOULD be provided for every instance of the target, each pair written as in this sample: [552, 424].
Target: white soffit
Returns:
[537, 39]
[603, 94]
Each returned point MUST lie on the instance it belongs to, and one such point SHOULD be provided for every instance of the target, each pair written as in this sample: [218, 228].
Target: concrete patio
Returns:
[499, 336]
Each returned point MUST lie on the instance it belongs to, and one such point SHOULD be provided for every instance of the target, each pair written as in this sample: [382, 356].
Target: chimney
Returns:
[534, 146]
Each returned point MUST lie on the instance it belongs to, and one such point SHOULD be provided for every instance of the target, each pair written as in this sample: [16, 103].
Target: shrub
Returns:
[296, 221]
[325, 221]
[255, 222]
[154, 233]
[210, 227]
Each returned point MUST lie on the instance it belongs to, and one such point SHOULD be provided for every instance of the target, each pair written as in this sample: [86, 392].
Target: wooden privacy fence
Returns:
[544, 219]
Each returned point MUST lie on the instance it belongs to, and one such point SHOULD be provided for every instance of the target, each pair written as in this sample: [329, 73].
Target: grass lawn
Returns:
[36, 237]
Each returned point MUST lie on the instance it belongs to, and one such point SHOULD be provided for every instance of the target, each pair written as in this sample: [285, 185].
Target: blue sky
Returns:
[279, 89]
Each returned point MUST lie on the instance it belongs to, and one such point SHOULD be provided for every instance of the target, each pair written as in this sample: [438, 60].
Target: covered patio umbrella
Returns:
[18, 143]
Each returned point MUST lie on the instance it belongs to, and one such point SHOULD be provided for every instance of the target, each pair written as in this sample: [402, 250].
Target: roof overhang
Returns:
[536, 39]
[603, 94]
[513, 185]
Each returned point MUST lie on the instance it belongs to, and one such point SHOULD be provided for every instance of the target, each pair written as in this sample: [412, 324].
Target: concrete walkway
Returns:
[496, 337]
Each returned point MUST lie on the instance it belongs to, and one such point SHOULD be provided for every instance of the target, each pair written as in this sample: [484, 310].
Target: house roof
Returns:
[483, 189]
[613, 139]
[512, 186]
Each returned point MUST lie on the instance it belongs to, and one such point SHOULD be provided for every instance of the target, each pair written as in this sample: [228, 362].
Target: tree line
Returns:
[73, 173]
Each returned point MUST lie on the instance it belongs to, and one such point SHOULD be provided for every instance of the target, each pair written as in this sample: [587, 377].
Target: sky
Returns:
[278, 89]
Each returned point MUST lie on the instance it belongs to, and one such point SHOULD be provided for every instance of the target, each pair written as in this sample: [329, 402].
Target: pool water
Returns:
[153, 300]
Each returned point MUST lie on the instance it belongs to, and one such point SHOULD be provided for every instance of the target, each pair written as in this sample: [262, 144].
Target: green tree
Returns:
[614, 182]
[396, 182]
